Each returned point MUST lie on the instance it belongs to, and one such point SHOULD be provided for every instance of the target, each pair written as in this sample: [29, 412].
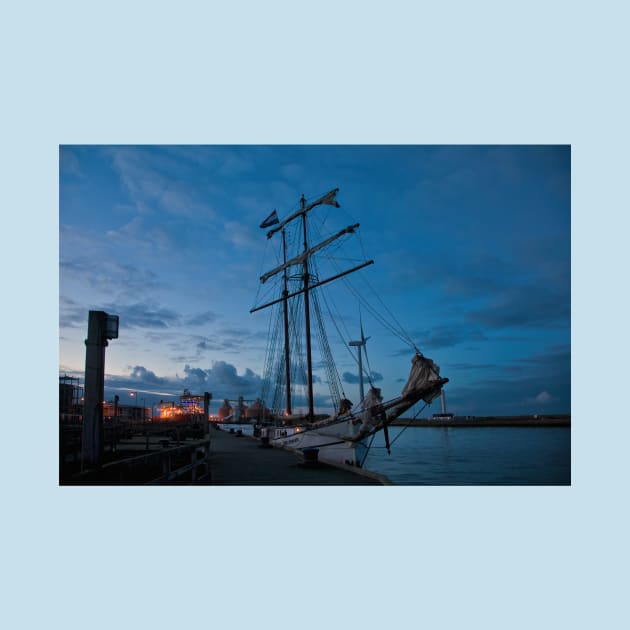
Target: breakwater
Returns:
[488, 421]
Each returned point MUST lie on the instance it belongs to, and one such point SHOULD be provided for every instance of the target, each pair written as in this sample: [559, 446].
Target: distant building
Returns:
[70, 400]
[189, 407]
[442, 416]
[125, 413]
[225, 411]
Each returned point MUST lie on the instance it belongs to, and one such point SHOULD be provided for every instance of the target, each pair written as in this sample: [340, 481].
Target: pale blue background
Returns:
[326, 72]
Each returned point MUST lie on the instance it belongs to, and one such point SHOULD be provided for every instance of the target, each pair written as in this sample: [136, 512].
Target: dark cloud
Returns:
[71, 314]
[222, 380]
[224, 341]
[441, 337]
[467, 275]
[138, 315]
[186, 348]
[447, 337]
[348, 377]
[537, 384]
[202, 318]
[526, 307]
[143, 315]
[472, 366]
[298, 375]
[110, 276]
[146, 376]
[196, 374]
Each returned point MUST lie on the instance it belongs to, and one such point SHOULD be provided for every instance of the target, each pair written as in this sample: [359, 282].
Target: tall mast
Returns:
[307, 286]
[285, 306]
[307, 318]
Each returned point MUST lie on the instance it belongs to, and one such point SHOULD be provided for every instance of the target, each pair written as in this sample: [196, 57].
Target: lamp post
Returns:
[144, 414]
[144, 424]
[133, 395]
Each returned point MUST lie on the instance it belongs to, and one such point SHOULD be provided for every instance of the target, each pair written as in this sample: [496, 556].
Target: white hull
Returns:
[329, 440]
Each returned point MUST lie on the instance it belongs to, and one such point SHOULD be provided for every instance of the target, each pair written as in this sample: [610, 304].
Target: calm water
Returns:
[474, 456]
[459, 456]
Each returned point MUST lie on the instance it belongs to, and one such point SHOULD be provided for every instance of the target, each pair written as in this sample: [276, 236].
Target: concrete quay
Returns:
[242, 461]
[230, 459]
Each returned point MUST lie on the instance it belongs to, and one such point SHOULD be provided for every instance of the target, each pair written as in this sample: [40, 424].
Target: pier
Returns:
[243, 460]
[221, 457]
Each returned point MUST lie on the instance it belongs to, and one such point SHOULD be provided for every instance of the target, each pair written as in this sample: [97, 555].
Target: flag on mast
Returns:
[329, 199]
[270, 220]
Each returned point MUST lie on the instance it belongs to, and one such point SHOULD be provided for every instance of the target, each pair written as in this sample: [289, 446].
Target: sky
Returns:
[471, 250]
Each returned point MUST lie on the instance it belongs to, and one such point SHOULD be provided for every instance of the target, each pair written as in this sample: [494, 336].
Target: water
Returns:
[458, 456]
[474, 456]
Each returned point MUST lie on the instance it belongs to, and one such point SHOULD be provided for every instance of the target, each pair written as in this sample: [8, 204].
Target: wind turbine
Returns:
[359, 345]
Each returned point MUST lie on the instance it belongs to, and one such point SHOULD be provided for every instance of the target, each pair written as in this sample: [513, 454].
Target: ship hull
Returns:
[328, 440]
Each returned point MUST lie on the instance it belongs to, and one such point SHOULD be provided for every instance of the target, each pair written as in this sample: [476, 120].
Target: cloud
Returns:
[292, 171]
[139, 315]
[241, 236]
[221, 379]
[544, 398]
[223, 340]
[157, 180]
[110, 276]
[140, 373]
[537, 384]
[298, 375]
[69, 162]
[196, 374]
[207, 317]
[348, 377]
[143, 315]
[447, 336]
[531, 306]
[72, 314]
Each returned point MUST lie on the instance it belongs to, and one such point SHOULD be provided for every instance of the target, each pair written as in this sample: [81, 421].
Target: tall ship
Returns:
[300, 314]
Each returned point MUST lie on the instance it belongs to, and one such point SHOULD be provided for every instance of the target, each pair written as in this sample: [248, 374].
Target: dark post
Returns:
[285, 305]
[307, 317]
[207, 397]
[115, 423]
[101, 327]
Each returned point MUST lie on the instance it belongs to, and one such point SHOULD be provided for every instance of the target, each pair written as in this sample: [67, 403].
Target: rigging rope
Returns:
[274, 359]
[392, 326]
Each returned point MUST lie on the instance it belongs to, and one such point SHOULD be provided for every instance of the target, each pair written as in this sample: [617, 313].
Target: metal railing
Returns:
[161, 466]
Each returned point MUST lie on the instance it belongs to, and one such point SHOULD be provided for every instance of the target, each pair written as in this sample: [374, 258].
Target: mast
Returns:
[313, 286]
[307, 318]
[307, 286]
[298, 260]
[285, 307]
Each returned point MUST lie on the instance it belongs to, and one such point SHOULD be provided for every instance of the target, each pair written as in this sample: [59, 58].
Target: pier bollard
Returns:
[264, 441]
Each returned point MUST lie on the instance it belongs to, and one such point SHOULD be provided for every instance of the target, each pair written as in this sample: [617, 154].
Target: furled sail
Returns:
[423, 373]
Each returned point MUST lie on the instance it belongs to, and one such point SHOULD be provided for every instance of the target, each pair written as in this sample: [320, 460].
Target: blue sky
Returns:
[471, 247]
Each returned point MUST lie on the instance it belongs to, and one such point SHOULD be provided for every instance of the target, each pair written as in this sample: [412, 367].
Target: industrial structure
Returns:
[70, 400]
